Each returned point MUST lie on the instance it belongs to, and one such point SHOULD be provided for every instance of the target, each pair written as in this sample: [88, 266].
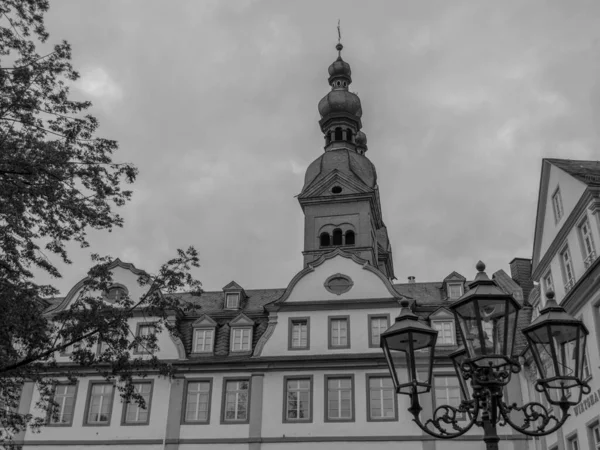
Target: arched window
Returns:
[324, 238]
[349, 237]
[338, 134]
[349, 135]
[337, 237]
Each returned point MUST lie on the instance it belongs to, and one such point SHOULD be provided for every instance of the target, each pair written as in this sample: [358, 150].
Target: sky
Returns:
[216, 103]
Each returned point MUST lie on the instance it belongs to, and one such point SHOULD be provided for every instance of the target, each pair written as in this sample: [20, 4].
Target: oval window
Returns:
[338, 284]
[336, 189]
[115, 293]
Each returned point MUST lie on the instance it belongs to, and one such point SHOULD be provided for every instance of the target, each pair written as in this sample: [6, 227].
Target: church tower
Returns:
[340, 197]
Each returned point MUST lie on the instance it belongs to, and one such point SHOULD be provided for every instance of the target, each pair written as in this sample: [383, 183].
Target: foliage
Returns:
[58, 180]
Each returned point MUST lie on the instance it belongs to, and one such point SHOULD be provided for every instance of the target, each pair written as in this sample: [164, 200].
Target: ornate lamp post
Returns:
[487, 320]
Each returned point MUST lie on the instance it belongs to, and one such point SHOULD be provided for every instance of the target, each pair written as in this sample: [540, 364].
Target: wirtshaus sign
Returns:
[590, 400]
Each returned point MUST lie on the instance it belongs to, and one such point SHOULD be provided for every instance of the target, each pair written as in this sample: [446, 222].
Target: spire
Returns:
[340, 109]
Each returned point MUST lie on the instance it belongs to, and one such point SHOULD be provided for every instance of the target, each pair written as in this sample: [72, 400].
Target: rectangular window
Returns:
[445, 330]
[203, 340]
[133, 414]
[567, 266]
[339, 332]
[381, 398]
[548, 282]
[145, 330]
[197, 401]
[339, 398]
[455, 290]
[62, 412]
[595, 431]
[232, 301]
[377, 325]
[447, 392]
[240, 339]
[573, 443]
[557, 205]
[100, 402]
[235, 408]
[298, 400]
[299, 333]
[589, 251]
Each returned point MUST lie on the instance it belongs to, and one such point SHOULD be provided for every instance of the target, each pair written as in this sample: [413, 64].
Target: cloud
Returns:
[97, 84]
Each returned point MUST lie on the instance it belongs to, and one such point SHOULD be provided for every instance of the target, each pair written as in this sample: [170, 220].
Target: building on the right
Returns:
[565, 260]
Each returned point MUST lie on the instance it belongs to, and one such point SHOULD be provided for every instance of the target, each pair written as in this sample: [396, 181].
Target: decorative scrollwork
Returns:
[537, 419]
[445, 421]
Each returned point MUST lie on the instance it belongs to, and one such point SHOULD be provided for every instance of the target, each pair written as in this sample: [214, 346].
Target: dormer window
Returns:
[115, 293]
[204, 335]
[241, 334]
[232, 301]
[455, 290]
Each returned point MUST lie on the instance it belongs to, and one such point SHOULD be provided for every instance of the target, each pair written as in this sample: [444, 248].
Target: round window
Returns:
[338, 284]
[336, 189]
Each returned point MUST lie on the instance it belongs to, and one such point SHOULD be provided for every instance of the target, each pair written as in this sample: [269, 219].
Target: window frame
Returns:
[231, 340]
[370, 317]
[460, 287]
[592, 425]
[86, 411]
[368, 377]
[291, 321]
[433, 321]
[194, 340]
[557, 207]
[310, 379]
[587, 257]
[237, 303]
[224, 398]
[548, 275]
[148, 404]
[326, 379]
[49, 414]
[330, 345]
[568, 283]
[183, 420]
[570, 438]
[460, 416]
[139, 326]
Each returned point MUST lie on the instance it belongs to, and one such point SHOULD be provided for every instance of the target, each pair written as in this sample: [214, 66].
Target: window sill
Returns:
[124, 424]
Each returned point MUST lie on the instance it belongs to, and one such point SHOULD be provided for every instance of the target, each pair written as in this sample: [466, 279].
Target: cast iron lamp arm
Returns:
[533, 412]
[445, 414]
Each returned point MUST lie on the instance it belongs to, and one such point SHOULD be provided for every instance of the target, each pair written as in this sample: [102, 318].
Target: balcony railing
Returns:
[569, 285]
[590, 259]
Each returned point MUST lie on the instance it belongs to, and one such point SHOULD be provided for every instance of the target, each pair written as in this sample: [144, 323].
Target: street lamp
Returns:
[487, 320]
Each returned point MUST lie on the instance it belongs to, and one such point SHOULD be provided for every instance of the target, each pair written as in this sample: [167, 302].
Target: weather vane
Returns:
[339, 32]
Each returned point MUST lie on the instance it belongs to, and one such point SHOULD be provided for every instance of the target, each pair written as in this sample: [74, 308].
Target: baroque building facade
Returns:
[565, 261]
[292, 368]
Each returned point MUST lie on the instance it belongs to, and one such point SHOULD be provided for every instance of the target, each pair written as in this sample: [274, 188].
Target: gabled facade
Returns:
[295, 368]
[565, 260]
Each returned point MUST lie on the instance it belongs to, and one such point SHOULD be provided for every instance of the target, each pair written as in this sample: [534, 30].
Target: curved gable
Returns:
[310, 283]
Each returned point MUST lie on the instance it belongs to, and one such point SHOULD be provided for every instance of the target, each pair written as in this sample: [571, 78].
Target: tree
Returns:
[57, 181]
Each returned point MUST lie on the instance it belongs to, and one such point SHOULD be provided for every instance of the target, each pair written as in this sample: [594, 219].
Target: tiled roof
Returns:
[585, 171]
[213, 301]
[423, 293]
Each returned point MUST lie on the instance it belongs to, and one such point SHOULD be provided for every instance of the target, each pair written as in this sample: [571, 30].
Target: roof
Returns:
[587, 172]
[423, 293]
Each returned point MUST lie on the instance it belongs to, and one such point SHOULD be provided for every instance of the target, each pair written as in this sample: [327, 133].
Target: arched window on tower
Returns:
[324, 239]
[349, 237]
[337, 237]
[349, 135]
[338, 134]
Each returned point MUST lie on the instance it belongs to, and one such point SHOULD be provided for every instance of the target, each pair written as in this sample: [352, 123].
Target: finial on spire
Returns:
[339, 45]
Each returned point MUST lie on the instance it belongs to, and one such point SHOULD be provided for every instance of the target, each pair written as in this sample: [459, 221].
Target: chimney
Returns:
[411, 279]
[520, 271]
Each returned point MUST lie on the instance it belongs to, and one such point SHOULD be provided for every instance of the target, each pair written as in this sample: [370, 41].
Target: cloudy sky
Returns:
[216, 102]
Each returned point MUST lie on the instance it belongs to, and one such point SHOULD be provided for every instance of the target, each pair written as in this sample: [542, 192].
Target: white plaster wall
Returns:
[577, 256]
[95, 447]
[77, 431]
[214, 446]
[571, 191]
[366, 284]
[273, 410]
[346, 445]
[215, 430]
[359, 332]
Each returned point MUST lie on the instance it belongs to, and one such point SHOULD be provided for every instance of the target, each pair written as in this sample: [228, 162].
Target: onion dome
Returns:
[340, 69]
[349, 163]
[340, 102]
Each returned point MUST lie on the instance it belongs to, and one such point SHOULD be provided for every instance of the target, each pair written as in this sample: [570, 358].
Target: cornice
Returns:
[590, 194]
[583, 289]
[331, 305]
